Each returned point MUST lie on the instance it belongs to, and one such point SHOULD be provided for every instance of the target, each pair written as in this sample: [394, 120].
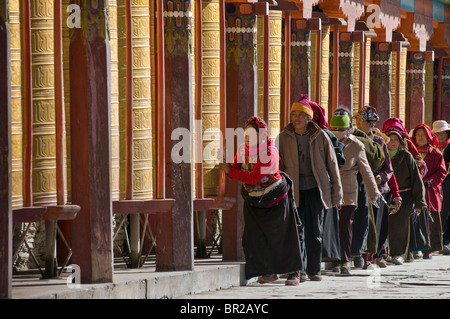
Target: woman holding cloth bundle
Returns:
[270, 240]
[412, 191]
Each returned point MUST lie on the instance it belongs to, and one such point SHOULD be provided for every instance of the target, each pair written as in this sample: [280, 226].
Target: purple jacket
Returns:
[385, 171]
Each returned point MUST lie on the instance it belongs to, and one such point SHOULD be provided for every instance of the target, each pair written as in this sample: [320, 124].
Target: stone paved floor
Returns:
[419, 279]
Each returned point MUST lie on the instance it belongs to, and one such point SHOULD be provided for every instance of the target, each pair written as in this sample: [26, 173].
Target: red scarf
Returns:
[443, 144]
[422, 148]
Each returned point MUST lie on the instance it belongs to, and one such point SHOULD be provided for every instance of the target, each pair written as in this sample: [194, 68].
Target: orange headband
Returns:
[297, 106]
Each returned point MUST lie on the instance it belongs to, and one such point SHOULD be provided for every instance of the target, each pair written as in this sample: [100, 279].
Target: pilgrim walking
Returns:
[412, 192]
[308, 157]
[426, 142]
[355, 162]
[270, 241]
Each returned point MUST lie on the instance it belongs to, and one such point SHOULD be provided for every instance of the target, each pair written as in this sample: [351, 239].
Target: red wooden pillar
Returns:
[51, 225]
[90, 144]
[285, 94]
[266, 66]
[318, 66]
[415, 89]
[380, 79]
[300, 59]
[398, 82]
[334, 70]
[345, 82]
[223, 87]
[362, 70]
[5, 156]
[28, 107]
[301, 56]
[444, 112]
[241, 105]
[175, 230]
[198, 97]
[438, 70]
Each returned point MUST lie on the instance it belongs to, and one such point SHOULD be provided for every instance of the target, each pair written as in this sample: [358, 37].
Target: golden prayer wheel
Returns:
[66, 76]
[16, 105]
[115, 135]
[325, 68]
[356, 75]
[142, 118]
[275, 23]
[211, 94]
[44, 134]
[429, 95]
[368, 46]
[403, 84]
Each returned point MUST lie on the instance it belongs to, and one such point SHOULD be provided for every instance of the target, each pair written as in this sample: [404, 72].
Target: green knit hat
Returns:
[339, 122]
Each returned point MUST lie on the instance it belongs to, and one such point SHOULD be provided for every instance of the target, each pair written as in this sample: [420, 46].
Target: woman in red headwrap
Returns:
[412, 192]
[270, 240]
[425, 141]
[397, 124]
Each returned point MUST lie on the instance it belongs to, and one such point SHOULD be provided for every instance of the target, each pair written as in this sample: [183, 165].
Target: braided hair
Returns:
[261, 128]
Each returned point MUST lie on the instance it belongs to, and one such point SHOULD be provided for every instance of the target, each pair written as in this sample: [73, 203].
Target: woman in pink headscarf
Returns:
[426, 142]
[396, 124]
[271, 241]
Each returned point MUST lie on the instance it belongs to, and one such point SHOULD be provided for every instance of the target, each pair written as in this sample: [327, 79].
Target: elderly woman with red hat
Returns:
[271, 240]
[397, 124]
[425, 141]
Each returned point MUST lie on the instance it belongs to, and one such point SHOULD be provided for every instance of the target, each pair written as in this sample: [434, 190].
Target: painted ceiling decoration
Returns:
[447, 33]
[423, 24]
[307, 8]
[353, 10]
[390, 16]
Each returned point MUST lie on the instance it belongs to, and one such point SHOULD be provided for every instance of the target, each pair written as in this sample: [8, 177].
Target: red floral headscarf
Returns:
[261, 128]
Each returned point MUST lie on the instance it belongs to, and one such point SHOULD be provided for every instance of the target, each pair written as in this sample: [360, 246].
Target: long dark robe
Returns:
[271, 240]
[445, 211]
[420, 231]
[360, 221]
[330, 238]
[382, 225]
[445, 208]
[331, 250]
[399, 226]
